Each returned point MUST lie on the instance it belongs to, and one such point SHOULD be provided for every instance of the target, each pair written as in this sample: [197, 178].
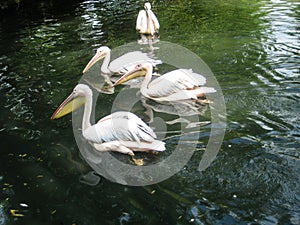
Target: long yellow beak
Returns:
[70, 104]
[136, 72]
[93, 60]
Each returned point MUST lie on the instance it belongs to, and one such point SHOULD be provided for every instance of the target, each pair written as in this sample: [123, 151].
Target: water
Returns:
[252, 47]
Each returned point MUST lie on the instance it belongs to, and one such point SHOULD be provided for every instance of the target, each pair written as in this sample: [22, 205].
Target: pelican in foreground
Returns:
[129, 60]
[180, 84]
[122, 132]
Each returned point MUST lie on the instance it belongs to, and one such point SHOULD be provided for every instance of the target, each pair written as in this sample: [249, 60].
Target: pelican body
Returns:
[122, 131]
[146, 22]
[180, 84]
[129, 60]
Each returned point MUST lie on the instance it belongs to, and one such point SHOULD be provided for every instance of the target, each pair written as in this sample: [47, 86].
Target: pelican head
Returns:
[76, 99]
[100, 54]
[147, 6]
[138, 71]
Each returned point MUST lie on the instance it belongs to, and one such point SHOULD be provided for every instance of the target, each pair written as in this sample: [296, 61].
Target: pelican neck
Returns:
[86, 122]
[105, 64]
[146, 81]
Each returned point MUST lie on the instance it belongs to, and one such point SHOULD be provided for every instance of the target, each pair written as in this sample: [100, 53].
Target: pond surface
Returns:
[253, 49]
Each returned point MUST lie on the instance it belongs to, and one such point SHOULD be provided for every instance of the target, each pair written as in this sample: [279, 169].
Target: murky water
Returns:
[253, 49]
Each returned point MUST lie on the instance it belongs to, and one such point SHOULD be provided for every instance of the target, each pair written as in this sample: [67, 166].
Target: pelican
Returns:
[180, 84]
[122, 131]
[146, 22]
[129, 60]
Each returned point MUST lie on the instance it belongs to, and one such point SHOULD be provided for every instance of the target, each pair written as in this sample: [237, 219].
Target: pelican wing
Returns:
[155, 21]
[175, 81]
[120, 126]
[130, 59]
[141, 21]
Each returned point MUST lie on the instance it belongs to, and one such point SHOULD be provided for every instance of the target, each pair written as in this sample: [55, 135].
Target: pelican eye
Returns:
[99, 50]
[139, 66]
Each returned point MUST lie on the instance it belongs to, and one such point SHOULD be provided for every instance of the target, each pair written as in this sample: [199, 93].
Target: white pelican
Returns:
[146, 22]
[180, 84]
[128, 60]
[120, 131]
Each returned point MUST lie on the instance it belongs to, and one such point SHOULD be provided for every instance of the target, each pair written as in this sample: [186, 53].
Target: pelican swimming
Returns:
[121, 64]
[122, 131]
[180, 84]
[146, 22]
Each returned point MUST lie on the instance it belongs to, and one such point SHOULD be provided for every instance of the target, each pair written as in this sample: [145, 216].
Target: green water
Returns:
[253, 49]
